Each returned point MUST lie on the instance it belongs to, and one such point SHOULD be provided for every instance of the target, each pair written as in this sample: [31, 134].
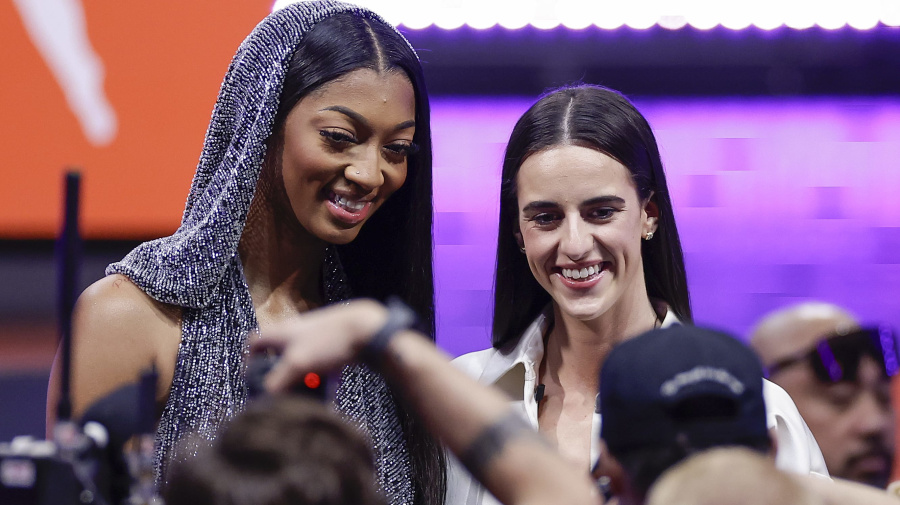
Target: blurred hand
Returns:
[608, 466]
[893, 489]
[320, 340]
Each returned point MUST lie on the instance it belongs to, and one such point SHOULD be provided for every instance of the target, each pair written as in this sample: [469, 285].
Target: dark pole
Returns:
[68, 266]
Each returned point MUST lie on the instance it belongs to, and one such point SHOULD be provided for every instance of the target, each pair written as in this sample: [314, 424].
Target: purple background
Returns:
[777, 201]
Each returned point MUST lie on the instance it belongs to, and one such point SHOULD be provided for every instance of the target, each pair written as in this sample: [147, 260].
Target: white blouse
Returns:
[516, 374]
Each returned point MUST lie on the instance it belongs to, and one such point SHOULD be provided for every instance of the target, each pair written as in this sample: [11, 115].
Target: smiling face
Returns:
[345, 149]
[581, 224]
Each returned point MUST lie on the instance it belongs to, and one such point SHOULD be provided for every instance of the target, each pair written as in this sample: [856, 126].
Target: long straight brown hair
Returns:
[602, 119]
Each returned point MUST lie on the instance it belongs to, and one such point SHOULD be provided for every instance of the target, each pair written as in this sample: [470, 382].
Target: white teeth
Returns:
[574, 273]
[349, 204]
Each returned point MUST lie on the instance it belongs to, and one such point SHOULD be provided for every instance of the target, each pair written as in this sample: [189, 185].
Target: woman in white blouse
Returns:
[588, 255]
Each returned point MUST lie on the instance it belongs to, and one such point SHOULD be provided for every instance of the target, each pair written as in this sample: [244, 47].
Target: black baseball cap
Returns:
[681, 385]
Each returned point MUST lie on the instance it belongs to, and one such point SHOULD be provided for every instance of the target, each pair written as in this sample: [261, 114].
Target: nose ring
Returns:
[357, 172]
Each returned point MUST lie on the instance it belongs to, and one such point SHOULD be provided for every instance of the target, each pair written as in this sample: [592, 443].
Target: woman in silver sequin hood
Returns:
[314, 184]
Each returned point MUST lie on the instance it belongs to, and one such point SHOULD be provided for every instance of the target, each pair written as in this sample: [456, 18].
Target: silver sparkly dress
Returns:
[198, 268]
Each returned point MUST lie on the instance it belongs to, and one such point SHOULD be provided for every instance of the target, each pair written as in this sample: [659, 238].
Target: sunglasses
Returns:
[837, 358]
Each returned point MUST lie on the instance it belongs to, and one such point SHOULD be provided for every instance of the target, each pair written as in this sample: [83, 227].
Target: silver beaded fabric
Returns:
[198, 268]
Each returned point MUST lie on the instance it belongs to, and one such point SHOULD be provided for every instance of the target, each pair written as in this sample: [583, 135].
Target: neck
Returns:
[576, 349]
[282, 262]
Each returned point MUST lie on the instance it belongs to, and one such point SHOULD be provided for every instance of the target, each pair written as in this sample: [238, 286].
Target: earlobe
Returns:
[519, 240]
[651, 215]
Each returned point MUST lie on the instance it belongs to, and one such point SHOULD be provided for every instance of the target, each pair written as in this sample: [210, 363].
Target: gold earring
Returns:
[648, 236]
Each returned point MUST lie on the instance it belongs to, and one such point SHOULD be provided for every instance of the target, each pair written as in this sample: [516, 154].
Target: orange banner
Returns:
[121, 90]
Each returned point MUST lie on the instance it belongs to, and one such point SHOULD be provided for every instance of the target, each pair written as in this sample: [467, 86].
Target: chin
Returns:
[333, 232]
[582, 310]
[340, 237]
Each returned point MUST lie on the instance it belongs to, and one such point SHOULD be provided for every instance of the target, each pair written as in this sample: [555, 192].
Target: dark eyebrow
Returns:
[352, 114]
[598, 200]
[404, 125]
[606, 199]
[356, 116]
[539, 205]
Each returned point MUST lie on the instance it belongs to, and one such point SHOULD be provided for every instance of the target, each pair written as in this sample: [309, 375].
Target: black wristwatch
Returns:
[400, 317]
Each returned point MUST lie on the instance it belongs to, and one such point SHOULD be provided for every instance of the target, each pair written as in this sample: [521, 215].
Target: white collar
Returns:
[529, 350]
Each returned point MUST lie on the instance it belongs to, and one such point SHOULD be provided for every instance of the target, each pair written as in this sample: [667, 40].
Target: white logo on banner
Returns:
[58, 30]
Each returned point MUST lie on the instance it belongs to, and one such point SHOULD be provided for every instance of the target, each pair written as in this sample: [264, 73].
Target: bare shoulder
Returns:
[122, 308]
[119, 332]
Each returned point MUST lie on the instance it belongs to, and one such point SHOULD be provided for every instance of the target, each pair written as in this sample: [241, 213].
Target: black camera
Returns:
[44, 472]
[86, 462]
[105, 459]
[314, 385]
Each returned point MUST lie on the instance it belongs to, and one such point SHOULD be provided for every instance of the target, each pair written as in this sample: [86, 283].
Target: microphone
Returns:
[539, 393]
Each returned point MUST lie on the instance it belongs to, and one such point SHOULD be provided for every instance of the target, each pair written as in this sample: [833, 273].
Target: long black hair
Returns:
[602, 119]
[392, 255]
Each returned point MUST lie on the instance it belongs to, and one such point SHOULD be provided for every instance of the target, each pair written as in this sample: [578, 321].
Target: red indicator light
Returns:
[312, 380]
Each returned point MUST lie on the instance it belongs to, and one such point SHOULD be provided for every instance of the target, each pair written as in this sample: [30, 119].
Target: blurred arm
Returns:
[515, 463]
[845, 492]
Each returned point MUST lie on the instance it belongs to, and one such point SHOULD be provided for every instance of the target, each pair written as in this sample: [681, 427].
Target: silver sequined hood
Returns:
[183, 269]
[198, 268]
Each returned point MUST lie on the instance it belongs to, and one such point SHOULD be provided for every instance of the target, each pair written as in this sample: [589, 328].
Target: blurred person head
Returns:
[284, 450]
[728, 475]
[668, 393]
[595, 139]
[839, 377]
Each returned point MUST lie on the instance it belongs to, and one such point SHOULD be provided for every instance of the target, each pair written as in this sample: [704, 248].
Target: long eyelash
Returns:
[608, 212]
[535, 218]
[404, 149]
[337, 137]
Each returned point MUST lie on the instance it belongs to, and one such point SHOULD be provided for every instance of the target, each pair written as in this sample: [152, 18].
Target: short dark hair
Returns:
[392, 255]
[279, 451]
[602, 119]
